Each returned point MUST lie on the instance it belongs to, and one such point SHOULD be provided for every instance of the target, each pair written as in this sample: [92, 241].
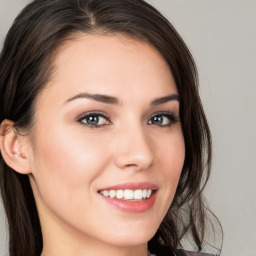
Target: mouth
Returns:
[130, 197]
[128, 194]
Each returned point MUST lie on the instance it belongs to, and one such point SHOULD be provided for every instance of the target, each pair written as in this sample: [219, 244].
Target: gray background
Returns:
[222, 37]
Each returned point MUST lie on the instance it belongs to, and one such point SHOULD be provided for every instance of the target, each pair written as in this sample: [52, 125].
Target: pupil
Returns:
[158, 119]
[93, 120]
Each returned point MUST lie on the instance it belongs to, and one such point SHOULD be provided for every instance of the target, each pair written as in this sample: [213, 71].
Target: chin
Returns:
[132, 238]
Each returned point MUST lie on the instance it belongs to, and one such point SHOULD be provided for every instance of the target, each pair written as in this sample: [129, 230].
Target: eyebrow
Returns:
[115, 101]
[97, 97]
[165, 99]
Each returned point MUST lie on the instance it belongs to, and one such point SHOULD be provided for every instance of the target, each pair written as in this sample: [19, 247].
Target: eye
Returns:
[94, 120]
[163, 119]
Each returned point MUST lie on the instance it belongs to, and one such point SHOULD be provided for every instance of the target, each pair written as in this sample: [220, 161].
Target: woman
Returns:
[105, 146]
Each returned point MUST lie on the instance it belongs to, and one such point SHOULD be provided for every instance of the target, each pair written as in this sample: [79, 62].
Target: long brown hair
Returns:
[26, 67]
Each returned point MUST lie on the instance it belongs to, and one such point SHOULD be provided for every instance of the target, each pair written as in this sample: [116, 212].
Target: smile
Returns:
[127, 194]
[136, 197]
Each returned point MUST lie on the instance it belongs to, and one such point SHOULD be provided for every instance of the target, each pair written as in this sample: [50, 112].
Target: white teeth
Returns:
[137, 194]
[149, 193]
[144, 193]
[105, 193]
[112, 193]
[127, 194]
[119, 194]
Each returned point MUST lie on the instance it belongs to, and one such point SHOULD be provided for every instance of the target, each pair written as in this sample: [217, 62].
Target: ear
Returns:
[14, 148]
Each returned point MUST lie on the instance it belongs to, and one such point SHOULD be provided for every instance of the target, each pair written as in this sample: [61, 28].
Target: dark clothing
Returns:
[187, 253]
[157, 249]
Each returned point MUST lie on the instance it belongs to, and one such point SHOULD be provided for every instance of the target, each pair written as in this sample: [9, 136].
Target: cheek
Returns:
[171, 157]
[67, 154]
[66, 165]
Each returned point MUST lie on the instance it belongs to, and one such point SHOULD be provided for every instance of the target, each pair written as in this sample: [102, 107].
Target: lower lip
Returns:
[132, 206]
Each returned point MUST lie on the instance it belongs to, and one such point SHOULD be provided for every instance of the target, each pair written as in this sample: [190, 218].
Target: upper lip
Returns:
[132, 186]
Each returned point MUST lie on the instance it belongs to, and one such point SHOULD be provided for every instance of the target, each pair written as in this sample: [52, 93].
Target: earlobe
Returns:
[12, 148]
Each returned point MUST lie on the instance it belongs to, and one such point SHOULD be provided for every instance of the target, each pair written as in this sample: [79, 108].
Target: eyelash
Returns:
[170, 116]
[94, 114]
[172, 119]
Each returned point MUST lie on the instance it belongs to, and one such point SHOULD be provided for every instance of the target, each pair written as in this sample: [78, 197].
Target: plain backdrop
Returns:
[221, 35]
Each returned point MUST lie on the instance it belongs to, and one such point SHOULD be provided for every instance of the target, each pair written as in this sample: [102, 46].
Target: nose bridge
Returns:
[134, 147]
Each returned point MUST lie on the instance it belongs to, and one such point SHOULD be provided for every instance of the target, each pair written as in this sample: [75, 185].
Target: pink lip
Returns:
[133, 186]
[138, 206]
[132, 206]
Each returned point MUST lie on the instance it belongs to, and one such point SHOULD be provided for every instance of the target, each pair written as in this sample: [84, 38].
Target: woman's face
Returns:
[108, 147]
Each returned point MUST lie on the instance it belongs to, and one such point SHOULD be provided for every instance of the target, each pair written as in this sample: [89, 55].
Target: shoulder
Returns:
[189, 253]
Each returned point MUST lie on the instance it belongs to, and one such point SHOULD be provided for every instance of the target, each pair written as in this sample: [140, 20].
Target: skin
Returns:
[70, 161]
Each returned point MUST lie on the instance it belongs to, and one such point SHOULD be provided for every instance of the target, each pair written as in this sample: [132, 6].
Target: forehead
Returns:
[109, 64]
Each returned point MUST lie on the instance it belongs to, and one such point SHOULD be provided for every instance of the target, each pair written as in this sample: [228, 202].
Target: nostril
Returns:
[130, 165]
[134, 152]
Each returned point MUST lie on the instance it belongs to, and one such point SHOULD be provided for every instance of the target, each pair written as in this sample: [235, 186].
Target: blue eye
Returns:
[94, 120]
[163, 119]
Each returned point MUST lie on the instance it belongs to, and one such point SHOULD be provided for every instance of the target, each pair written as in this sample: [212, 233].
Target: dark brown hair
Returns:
[26, 67]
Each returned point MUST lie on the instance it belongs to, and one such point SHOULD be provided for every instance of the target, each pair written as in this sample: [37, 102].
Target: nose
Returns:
[134, 149]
